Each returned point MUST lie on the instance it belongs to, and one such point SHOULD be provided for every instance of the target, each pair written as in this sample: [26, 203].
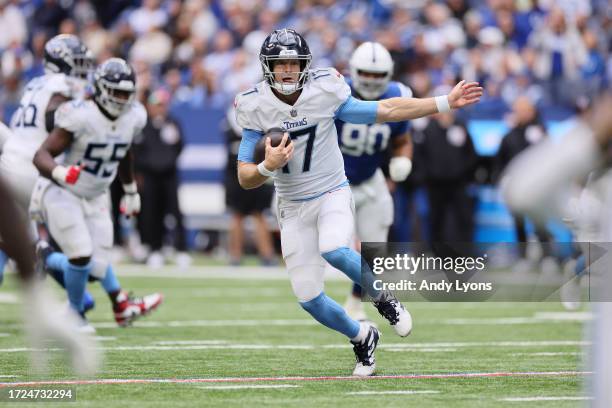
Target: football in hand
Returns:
[275, 135]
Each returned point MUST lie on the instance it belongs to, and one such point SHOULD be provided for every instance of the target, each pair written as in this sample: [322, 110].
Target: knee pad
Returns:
[307, 281]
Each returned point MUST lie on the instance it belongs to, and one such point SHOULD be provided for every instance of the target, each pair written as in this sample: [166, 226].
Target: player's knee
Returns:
[81, 261]
[306, 291]
[333, 240]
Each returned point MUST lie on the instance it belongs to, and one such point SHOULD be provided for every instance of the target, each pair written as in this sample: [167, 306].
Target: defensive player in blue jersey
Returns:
[364, 147]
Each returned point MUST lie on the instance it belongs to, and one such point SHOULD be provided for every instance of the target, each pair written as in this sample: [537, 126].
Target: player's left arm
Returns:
[405, 108]
[398, 109]
[130, 202]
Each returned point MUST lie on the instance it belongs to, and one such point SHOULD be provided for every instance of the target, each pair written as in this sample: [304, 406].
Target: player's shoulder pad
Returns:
[397, 89]
[329, 80]
[70, 115]
[245, 103]
[247, 100]
[58, 83]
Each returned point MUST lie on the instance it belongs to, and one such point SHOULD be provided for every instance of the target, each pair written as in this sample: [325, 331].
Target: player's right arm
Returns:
[58, 141]
[252, 175]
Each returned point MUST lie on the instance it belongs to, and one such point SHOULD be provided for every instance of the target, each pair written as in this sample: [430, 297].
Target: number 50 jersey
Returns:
[98, 142]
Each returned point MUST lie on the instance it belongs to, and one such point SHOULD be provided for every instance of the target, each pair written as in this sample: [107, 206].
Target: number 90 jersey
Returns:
[316, 166]
[364, 146]
[98, 143]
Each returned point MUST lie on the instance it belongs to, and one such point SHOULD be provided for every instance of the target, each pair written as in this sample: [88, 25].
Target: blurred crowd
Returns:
[534, 58]
[204, 51]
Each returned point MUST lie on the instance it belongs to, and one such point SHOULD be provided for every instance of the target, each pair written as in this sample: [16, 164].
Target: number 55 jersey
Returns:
[99, 144]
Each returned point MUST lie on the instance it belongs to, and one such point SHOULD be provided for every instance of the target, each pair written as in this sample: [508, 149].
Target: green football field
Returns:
[237, 337]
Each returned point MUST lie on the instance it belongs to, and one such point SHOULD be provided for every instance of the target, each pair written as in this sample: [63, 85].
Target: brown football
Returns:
[275, 135]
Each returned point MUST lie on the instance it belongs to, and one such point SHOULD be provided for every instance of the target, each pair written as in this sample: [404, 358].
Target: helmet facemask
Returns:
[115, 98]
[370, 85]
[286, 88]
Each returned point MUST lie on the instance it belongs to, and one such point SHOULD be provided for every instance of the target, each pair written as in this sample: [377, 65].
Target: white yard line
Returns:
[295, 379]
[536, 399]
[393, 392]
[247, 387]
[420, 350]
[10, 298]
[549, 353]
[182, 345]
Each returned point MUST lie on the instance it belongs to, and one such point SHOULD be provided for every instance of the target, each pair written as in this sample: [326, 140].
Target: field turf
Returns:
[237, 337]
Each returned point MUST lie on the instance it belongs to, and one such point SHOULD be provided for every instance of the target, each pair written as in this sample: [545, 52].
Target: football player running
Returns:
[315, 205]
[67, 62]
[72, 197]
[364, 147]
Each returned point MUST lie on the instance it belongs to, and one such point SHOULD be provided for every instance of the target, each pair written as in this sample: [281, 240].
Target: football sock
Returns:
[111, 284]
[329, 313]
[349, 262]
[56, 264]
[3, 261]
[581, 267]
[75, 277]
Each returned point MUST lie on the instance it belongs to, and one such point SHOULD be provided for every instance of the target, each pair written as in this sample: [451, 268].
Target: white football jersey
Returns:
[98, 142]
[317, 165]
[28, 122]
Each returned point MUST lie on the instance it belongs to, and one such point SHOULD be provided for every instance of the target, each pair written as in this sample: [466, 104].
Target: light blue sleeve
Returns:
[246, 151]
[357, 111]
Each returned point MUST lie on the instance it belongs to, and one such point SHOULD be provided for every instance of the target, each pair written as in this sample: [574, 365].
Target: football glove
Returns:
[400, 168]
[130, 202]
[66, 175]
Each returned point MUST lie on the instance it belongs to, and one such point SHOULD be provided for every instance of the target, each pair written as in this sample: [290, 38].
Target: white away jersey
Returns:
[98, 142]
[317, 165]
[28, 121]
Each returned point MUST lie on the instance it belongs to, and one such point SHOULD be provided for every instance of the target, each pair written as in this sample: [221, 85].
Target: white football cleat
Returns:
[364, 354]
[354, 308]
[391, 309]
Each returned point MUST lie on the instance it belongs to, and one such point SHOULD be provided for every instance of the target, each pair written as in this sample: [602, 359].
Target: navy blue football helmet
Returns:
[114, 86]
[66, 54]
[283, 45]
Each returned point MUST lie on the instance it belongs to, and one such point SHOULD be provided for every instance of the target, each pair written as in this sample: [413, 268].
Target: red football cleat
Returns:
[128, 308]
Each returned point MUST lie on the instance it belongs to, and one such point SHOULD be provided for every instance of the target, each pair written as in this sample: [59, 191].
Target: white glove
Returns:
[46, 319]
[130, 202]
[399, 168]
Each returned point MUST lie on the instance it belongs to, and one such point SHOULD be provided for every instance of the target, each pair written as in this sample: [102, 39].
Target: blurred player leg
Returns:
[67, 224]
[3, 261]
[100, 226]
[44, 320]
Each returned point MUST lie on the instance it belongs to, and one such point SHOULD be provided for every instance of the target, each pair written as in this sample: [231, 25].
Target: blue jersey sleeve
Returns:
[246, 151]
[357, 111]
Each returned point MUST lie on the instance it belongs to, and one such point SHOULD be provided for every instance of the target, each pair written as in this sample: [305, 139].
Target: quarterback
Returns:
[95, 136]
[315, 205]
